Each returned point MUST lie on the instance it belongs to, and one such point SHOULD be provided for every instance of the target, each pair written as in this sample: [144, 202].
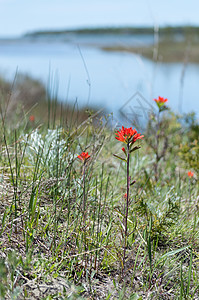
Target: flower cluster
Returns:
[83, 156]
[190, 174]
[128, 135]
[31, 118]
[161, 100]
[161, 103]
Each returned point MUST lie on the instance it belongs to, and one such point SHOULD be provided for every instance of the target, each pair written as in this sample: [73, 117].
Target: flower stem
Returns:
[157, 145]
[126, 210]
[84, 193]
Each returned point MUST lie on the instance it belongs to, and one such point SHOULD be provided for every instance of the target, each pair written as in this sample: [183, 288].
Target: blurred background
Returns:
[100, 54]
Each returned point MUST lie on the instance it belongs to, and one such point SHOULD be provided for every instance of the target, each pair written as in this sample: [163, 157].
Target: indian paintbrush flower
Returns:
[160, 134]
[31, 118]
[161, 103]
[190, 174]
[83, 156]
[161, 100]
[128, 135]
[124, 150]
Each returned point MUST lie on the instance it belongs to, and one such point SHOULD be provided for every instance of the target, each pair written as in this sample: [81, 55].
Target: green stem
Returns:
[126, 209]
[84, 192]
[157, 145]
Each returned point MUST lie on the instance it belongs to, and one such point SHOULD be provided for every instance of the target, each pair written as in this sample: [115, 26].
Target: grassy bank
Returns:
[26, 98]
[62, 219]
[165, 51]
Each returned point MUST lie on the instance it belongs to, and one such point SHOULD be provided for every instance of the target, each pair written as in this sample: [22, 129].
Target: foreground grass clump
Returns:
[62, 223]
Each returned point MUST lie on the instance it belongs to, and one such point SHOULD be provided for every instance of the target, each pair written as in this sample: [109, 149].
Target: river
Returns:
[78, 70]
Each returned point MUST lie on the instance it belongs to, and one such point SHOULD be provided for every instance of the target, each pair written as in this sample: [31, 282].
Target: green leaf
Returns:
[135, 297]
[135, 148]
[149, 251]
[133, 182]
[120, 157]
[163, 107]
[171, 253]
[189, 274]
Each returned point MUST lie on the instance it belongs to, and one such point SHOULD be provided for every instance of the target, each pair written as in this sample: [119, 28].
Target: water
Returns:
[79, 71]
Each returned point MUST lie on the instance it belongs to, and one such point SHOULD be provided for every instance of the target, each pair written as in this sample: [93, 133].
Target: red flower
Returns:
[124, 150]
[190, 174]
[161, 100]
[32, 118]
[83, 156]
[128, 135]
[137, 136]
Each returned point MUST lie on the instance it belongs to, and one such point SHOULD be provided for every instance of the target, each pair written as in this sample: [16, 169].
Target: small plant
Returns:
[189, 145]
[189, 153]
[3, 280]
[84, 157]
[157, 134]
[48, 148]
[190, 174]
[128, 136]
[159, 154]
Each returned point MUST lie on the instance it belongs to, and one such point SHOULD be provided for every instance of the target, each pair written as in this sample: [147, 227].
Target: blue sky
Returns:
[21, 16]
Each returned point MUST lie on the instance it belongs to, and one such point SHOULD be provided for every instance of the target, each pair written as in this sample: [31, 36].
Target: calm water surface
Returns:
[101, 79]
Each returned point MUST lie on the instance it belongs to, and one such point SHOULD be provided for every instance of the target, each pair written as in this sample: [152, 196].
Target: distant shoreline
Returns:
[171, 44]
[167, 30]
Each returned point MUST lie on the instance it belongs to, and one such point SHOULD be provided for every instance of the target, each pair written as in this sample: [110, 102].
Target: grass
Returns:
[51, 248]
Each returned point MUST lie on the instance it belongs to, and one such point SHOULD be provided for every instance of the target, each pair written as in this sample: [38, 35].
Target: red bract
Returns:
[137, 136]
[128, 135]
[124, 150]
[83, 156]
[161, 100]
[190, 174]
[31, 118]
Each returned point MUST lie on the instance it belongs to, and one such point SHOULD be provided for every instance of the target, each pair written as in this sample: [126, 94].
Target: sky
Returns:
[21, 16]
